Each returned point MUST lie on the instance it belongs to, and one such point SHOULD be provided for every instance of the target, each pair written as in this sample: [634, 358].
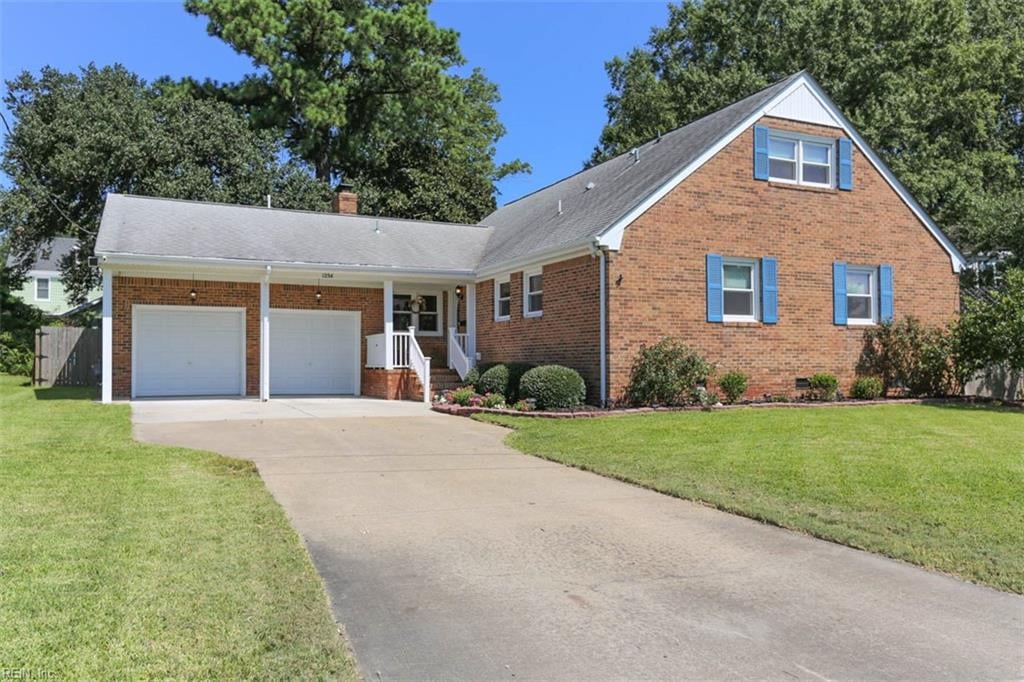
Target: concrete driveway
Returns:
[447, 555]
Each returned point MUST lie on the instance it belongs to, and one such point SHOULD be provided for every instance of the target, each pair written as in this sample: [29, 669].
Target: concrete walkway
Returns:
[447, 555]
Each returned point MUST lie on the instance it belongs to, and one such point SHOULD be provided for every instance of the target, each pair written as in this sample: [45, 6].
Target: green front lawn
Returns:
[124, 560]
[939, 486]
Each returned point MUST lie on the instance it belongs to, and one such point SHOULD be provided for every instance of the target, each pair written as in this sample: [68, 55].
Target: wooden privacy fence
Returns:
[67, 356]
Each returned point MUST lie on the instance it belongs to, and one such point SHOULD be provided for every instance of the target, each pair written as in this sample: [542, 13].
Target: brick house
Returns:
[767, 235]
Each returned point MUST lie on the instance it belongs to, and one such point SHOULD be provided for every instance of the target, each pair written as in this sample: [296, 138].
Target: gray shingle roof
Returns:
[145, 226]
[49, 256]
[531, 225]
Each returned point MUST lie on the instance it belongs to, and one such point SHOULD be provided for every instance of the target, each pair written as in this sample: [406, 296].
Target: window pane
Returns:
[429, 304]
[428, 322]
[536, 282]
[737, 277]
[739, 303]
[783, 170]
[535, 303]
[42, 288]
[858, 307]
[816, 153]
[401, 302]
[785, 149]
[858, 283]
[504, 308]
[817, 174]
[402, 321]
[504, 290]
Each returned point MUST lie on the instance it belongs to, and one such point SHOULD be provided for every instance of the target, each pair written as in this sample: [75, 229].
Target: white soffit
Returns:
[802, 105]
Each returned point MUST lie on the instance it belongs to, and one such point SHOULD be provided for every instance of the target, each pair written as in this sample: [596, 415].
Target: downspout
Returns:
[603, 333]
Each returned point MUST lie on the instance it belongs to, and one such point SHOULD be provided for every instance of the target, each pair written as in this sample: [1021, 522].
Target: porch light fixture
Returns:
[192, 293]
[319, 294]
[459, 292]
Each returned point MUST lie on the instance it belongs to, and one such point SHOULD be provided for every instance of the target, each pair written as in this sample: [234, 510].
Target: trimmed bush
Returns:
[866, 388]
[463, 396]
[472, 377]
[824, 386]
[911, 356]
[733, 385]
[503, 378]
[667, 373]
[493, 380]
[554, 387]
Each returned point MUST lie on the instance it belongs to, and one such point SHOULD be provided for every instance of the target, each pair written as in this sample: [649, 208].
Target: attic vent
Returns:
[636, 154]
[590, 186]
[802, 383]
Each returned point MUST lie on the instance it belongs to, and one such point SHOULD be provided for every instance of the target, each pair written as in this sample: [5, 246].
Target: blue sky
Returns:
[546, 57]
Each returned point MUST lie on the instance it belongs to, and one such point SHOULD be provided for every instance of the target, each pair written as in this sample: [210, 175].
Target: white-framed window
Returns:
[420, 311]
[533, 293]
[801, 160]
[502, 298]
[42, 288]
[739, 290]
[861, 295]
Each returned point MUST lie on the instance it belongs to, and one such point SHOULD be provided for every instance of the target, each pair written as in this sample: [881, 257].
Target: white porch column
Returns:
[471, 323]
[389, 324]
[107, 359]
[265, 336]
[453, 322]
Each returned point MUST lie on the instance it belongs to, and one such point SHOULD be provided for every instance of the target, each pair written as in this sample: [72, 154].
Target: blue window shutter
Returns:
[845, 164]
[839, 292]
[714, 287]
[769, 291]
[885, 293]
[760, 153]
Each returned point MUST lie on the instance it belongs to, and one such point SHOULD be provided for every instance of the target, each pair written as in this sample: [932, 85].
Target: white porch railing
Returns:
[405, 353]
[457, 358]
[414, 358]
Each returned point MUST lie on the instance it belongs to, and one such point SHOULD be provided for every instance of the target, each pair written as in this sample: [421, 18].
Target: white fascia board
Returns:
[539, 259]
[127, 259]
[611, 237]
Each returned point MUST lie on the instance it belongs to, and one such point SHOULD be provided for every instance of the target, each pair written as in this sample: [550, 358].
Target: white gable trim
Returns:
[802, 105]
[611, 237]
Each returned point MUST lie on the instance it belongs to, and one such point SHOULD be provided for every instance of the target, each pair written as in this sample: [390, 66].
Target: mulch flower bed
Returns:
[591, 412]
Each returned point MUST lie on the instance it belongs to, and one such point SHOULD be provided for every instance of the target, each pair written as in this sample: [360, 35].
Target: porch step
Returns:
[444, 379]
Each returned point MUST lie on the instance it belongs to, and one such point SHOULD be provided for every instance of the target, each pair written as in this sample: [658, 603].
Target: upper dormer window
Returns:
[801, 161]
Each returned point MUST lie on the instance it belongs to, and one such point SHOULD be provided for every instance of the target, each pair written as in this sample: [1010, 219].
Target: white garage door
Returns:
[314, 352]
[188, 350]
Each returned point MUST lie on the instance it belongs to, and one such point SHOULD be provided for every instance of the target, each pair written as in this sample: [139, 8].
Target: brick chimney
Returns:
[345, 200]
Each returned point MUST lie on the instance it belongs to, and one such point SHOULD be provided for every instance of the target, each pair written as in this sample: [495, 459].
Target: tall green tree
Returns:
[365, 91]
[935, 86]
[77, 137]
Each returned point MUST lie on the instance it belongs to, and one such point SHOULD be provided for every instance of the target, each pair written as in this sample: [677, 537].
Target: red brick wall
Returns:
[722, 209]
[151, 291]
[393, 384]
[567, 332]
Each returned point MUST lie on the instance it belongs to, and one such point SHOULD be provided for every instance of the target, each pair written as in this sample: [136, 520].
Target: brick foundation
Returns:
[391, 384]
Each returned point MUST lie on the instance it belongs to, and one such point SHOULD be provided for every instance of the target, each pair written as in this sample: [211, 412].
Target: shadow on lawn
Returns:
[66, 392]
[975, 406]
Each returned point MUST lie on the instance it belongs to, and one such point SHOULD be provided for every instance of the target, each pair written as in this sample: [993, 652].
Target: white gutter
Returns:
[115, 258]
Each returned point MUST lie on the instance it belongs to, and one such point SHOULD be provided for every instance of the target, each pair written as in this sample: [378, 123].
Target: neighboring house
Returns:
[766, 235]
[43, 287]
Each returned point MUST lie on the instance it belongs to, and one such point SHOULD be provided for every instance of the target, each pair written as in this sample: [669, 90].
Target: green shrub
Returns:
[866, 388]
[554, 387]
[733, 385]
[908, 355]
[494, 400]
[824, 386]
[493, 380]
[667, 373]
[522, 406]
[463, 396]
[990, 332]
[15, 357]
[503, 378]
[472, 377]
